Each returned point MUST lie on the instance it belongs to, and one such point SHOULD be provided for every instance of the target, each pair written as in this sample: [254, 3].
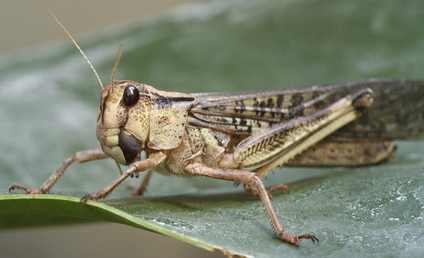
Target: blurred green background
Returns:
[24, 24]
[49, 99]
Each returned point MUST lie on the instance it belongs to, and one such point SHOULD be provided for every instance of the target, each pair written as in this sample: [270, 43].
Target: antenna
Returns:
[75, 43]
[116, 63]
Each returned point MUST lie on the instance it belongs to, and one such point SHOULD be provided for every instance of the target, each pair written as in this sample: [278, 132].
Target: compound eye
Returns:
[131, 95]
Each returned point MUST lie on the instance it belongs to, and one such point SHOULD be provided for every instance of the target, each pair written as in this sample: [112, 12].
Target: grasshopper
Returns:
[241, 136]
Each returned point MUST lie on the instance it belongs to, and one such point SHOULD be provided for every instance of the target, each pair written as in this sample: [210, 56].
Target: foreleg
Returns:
[136, 167]
[80, 157]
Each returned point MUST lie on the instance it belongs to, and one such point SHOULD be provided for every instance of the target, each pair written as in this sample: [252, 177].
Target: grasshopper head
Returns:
[123, 120]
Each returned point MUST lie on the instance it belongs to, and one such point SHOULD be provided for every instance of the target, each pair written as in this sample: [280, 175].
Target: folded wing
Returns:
[397, 111]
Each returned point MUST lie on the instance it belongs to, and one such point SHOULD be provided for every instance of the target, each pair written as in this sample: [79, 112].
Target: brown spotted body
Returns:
[251, 130]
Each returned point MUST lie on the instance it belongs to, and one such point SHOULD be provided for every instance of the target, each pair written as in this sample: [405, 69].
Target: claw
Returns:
[308, 236]
[16, 186]
[86, 197]
[26, 190]
[297, 239]
[90, 197]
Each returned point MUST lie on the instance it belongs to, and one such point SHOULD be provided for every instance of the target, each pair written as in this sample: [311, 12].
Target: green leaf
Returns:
[49, 102]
